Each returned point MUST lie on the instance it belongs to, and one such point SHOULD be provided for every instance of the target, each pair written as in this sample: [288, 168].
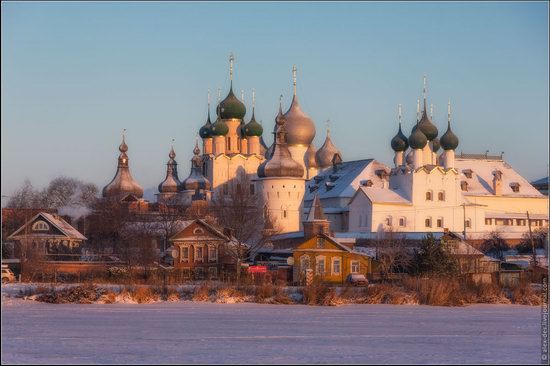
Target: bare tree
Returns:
[392, 252]
[241, 210]
[494, 245]
[25, 197]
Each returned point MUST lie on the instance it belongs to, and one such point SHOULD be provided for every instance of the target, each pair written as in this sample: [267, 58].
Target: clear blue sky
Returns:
[75, 74]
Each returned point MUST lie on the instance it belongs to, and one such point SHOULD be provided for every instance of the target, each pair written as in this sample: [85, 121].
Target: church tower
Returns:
[282, 183]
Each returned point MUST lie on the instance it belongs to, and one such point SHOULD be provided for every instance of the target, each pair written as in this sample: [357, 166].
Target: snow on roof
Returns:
[481, 182]
[345, 181]
[384, 195]
[290, 235]
[58, 222]
[460, 247]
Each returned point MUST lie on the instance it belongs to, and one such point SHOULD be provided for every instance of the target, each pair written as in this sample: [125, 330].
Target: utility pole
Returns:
[532, 242]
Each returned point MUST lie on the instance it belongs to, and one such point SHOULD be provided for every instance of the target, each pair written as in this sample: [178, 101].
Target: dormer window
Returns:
[464, 186]
[366, 183]
[515, 187]
[468, 173]
[40, 226]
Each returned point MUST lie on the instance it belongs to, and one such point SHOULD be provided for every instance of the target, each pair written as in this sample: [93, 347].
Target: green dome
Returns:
[399, 142]
[206, 130]
[427, 127]
[449, 141]
[219, 128]
[231, 107]
[253, 128]
[417, 140]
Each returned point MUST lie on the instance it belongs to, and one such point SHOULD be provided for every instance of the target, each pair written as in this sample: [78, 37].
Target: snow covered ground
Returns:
[191, 332]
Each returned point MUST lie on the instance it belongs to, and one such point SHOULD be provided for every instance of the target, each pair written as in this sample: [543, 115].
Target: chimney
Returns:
[497, 183]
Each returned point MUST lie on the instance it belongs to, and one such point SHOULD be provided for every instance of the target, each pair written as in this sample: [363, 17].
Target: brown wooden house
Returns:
[201, 251]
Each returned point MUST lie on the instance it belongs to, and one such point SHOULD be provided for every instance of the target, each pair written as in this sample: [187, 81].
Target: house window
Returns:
[402, 222]
[515, 187]
[429, 196]
[440, 222]
[40, 226]
[199, 273]
[252, 189]
[336, 266]
[388, 221]
[213, 273]
[284, 214]
[212, 253]
[464, 186]
[198, 254]
[184, 254]
[320, 268]
[441, 196]
[198, 230]
[468, 223]
[355, 267]
[304, 263]
[488, 221]
[320, 243]
[428, 222]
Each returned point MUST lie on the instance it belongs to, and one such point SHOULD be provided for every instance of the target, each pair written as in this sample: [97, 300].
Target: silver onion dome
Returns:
[326, 153]
[196, 180]
[122, 184]
[171, 183]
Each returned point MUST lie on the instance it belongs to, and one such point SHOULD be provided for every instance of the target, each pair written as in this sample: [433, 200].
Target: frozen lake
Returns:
[188, 332]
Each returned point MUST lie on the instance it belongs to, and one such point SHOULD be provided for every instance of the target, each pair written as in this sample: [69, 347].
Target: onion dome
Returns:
[310, 160]
[253, 128]
[231, 106]
[280, 163]
[219, 128]
[299, 126]
[122, 184]
[171, 183]
[206, 130]
[417, 140]
[196, 180]
[425, 124]
[449, 141]
[436, 144]
[326, 153]
[399, 141]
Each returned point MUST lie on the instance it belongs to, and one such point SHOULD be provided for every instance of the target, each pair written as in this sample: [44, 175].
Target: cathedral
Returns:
[425, 191]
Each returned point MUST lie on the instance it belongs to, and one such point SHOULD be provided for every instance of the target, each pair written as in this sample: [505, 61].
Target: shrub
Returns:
[318, 293]
[523, 294]
[202, 293]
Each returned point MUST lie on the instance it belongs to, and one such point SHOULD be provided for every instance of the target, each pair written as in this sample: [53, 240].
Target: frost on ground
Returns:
[200, 332]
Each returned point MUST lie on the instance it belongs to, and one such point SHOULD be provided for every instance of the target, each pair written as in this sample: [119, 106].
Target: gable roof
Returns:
[336, 243]
[203, 223]
[57, 222]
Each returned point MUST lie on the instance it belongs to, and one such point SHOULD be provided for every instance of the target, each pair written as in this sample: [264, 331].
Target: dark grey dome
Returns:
[399, 141]
[417, 140]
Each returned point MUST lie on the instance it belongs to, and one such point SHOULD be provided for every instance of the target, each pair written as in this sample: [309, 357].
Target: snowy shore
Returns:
[201, 332]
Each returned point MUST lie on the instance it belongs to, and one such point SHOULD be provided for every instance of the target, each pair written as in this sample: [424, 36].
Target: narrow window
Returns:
[321, 265]
[354, 266]
[336, 266]
[439, 222]
[185, 254]
[320, 243]
[429, 196]
[428, 222]
[212, 254]
[198, 254]
[468, 223]
[402, 222]
[441, 196]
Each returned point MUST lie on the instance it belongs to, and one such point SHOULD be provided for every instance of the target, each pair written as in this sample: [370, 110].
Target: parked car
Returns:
[357, 279]
[7, 275]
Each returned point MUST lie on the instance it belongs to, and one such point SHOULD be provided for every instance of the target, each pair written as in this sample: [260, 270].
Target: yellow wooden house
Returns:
[329, 260]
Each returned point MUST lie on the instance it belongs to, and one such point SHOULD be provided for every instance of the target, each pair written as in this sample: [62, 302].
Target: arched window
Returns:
[428, 222]
[441, 196]
[440, 222]
[468, 223]
[40, 226]
[429, 196]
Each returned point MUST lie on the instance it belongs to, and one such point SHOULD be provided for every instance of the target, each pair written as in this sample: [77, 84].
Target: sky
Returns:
[74, 75]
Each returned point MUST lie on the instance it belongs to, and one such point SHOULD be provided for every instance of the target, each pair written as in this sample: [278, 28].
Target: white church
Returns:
[425, 191]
